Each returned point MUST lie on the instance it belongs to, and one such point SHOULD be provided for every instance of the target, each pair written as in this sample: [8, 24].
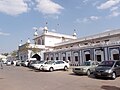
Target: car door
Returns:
[62, 65]
[93, 65]
[57, 65]
[117, 67]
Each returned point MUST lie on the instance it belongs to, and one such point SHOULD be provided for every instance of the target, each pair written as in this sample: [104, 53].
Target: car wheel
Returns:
[65, 68]
[113, 75]
[88, 72]
[96, 76]
[51, 69]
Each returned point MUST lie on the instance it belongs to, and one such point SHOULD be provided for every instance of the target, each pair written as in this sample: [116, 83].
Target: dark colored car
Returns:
[110, 68]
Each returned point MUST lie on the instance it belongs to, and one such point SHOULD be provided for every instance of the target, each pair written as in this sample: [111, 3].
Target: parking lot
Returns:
[22, 78]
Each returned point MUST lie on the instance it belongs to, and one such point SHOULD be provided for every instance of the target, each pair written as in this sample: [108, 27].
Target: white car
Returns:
[26, 63]
[56, 65]
[39, 65]
[8, 63]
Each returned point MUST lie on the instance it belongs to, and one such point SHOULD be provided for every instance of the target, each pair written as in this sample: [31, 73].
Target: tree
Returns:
[14, 53]
[5, 54]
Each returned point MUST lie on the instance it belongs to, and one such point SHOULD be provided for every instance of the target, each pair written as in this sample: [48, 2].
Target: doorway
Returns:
[37, 57]
[98, 57]
[87, 57]
[116, 56]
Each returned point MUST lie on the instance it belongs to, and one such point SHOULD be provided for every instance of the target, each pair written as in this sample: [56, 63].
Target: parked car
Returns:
[28, 61]
[39, 65]
[31, 62]
[55, 65]
[88, 67]
[22, 62]
[8, 63]
[18, 62]
[110, 68]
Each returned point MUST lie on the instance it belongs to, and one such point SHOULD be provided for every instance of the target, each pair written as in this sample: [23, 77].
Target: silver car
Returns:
[87, 68]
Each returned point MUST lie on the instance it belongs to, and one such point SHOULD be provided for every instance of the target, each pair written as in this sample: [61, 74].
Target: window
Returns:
[69, 58]
[85, 43]
[39, 41]
[87, 57]
[116, 56]
[97, 41]
[98, 58]
[118, 63]
[106, 41]
[59, 62]
[63, 58]
[51, 58]
[43, 43]
[71, 46]
[56, 58]
[76, 58]
[21, 57]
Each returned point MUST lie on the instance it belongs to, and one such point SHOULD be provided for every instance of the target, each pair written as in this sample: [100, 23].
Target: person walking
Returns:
[1, 64]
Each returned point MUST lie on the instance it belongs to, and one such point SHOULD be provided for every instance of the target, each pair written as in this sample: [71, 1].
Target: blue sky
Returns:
[19, 17]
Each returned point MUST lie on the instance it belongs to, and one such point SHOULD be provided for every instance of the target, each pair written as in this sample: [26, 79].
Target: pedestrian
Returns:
[1, 64]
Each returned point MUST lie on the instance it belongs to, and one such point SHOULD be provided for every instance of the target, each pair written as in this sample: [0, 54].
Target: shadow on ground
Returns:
[1, 78]
[106, 87]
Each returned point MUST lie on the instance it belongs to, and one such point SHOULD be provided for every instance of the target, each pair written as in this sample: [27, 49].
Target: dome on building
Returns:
[28, 41]
[45, 29]
[74, 34]
[35, 34]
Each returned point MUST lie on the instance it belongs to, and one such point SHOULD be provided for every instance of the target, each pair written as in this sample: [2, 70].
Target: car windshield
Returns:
[49, 62]
[86, 64]
[41, 62]
[107, 63]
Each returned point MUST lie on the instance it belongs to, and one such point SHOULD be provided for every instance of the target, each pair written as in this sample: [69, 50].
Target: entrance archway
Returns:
[36, 56]
[115, 54]
[87, 55]
[99, 55]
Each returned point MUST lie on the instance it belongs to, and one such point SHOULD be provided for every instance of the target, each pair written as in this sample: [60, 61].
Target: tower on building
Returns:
[35, 34]
[45, 29]
[74, 33]
[28, 41]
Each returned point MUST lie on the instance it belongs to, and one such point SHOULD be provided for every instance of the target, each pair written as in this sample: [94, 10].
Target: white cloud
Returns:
[39, 29]
[85, 1]
[53, 30]
[87, 19]
[51, 16]
[4, 34]
[114, 14]
[114, 8]
[93, 18]
[13, 7]
[108, 4]
[48, 7]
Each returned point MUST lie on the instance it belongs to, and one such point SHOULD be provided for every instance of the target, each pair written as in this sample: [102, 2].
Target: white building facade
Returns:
[55, 46]
[99, 47]
[42, 43]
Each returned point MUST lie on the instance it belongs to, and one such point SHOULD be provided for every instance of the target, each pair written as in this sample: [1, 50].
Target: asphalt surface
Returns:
[22, 78]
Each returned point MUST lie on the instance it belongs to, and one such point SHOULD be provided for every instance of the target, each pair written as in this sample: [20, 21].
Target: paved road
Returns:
[22, 78]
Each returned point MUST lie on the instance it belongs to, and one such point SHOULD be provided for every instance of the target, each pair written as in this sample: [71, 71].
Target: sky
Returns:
[19, 18]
